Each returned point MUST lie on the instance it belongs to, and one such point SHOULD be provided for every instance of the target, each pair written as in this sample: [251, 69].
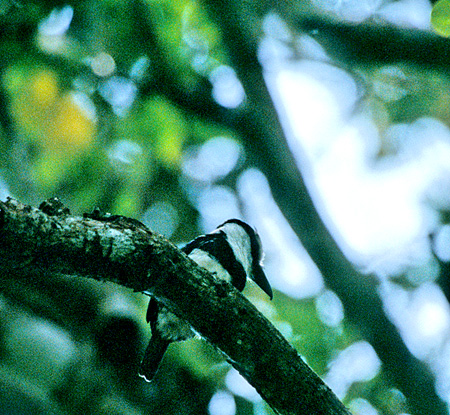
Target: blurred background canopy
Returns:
[323, 123]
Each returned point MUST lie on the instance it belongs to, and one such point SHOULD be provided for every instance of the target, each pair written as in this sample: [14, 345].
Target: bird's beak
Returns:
[260, 278]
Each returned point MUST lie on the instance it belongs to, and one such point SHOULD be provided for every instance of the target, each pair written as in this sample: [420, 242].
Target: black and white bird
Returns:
[233, 253]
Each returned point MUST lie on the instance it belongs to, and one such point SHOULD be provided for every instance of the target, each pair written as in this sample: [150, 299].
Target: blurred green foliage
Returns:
[91, 112]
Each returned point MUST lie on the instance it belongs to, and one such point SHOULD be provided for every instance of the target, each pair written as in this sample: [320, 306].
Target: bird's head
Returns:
[247, 248]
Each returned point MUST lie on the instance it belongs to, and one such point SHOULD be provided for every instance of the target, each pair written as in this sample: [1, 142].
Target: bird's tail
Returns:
[153, 356]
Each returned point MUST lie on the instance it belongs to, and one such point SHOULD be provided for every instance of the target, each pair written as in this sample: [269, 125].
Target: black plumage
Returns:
[216, 245]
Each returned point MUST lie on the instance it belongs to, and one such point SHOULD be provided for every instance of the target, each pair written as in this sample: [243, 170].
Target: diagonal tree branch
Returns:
[114, 248]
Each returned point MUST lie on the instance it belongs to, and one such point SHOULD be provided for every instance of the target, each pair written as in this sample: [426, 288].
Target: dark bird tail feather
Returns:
[153, 356]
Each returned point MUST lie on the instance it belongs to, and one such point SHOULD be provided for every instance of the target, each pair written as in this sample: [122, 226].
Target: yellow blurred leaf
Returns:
[33, 92]
[44, 88]
[70, 127]
[44, 113]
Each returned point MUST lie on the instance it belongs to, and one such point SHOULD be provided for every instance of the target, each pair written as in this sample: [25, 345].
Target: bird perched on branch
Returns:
[233, 253]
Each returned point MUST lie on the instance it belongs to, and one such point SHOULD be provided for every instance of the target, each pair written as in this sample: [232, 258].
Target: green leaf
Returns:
[440, 17]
